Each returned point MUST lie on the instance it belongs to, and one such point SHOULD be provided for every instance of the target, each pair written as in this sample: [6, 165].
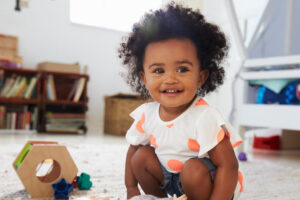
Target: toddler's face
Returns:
[172, 72]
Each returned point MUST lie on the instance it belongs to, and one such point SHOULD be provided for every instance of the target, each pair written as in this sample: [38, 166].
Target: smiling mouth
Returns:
[171, 91]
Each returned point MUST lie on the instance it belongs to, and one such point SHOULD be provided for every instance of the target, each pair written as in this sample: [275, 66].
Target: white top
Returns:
[192, 134]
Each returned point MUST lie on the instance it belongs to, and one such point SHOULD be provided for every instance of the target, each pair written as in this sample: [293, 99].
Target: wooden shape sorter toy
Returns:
[42, 163]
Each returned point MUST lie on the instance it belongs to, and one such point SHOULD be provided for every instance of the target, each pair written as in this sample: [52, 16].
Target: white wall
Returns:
[46, 34]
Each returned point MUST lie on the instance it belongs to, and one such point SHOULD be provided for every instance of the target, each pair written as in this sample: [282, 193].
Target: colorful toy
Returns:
[62, 189]
[242, 156]
[84, 182]
[288, 95]
[32, 160]
[74, 182]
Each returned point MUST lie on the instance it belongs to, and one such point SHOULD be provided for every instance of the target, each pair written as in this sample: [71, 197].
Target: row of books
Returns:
[16, 62]
[74, 94]
[65, 122]
[21, 118]
[19, 86]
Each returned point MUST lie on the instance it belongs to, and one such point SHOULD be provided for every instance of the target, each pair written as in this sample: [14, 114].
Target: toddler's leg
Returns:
[196, 180]
[147, 170]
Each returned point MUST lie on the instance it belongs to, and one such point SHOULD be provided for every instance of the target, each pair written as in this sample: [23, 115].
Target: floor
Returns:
[267, 175]
[20, 137]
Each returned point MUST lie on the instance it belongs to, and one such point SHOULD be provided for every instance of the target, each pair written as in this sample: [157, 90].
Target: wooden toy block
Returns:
[28, 163]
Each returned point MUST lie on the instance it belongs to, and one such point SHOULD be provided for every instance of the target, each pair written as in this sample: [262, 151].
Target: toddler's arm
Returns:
[227, 170]
[130, 180]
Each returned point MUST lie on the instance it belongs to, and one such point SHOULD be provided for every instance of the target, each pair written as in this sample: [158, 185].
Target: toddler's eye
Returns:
[182, 69]
[158, 71]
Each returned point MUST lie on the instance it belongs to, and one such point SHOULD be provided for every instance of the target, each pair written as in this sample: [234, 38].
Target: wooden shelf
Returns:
[67, 74]
[278, 74]
[19, 70]
[5, 100]
[272, 61]
[273, 116]
[65, 102]
[64, 88]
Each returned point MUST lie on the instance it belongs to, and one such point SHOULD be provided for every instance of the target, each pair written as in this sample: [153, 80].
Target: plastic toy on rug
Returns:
[242, 156]
[62, 189]
[150, 197]
[83, 181]
[41, 164]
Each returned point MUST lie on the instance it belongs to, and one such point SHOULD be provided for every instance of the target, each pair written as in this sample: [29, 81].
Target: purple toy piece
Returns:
[242, 156]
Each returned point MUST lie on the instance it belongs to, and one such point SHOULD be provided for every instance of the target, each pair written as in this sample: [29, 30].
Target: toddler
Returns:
[179, 144]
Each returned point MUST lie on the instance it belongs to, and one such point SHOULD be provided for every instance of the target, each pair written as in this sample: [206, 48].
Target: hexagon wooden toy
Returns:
[32, 157]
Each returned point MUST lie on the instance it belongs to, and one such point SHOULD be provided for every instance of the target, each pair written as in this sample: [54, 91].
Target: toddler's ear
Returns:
[143, 78]
[203, 77]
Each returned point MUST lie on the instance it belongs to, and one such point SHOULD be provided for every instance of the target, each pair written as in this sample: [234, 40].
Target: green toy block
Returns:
[84, 182]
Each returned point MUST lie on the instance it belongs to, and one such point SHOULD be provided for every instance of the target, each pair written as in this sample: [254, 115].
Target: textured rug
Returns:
[271, 176]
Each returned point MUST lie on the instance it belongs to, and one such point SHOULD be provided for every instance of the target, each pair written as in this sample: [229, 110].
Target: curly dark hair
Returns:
[175, 21]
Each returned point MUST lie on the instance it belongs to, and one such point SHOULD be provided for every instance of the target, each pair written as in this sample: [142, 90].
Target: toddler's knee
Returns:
[195, 180]
[194, 171]
[141, 155]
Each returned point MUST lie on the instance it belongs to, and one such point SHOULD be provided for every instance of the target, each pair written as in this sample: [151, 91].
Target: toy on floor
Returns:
[150, 197]
[62, 189]
[83, 181]
[42, 163]
[242, 156]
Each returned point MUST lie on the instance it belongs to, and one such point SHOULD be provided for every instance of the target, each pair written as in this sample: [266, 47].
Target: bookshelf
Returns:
[19, 98]
[42, 101]
[64, 102]
[279, 116]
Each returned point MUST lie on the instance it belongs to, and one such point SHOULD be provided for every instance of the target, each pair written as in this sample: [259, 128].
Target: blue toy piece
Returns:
[288, 95]
[242, 156]
[84, 182]
[62, 189]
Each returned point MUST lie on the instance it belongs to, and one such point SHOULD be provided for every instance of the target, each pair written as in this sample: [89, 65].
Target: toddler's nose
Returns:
[171, 78]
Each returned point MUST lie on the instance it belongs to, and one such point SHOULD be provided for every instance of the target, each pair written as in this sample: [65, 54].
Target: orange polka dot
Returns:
[170, 125]
[241, 181]
[237, 144]
[221, 135]
[153, 140]
[140, 123]
[201, 102]
[193, 145]
[175, 165]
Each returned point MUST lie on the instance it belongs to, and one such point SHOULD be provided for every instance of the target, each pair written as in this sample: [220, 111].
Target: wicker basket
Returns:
[117, 109]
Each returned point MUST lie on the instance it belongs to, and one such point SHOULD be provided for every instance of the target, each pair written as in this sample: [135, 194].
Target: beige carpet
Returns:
[271, 176]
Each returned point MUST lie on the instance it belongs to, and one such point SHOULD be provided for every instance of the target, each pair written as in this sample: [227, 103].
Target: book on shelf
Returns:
[65, 122]
[21, 87]
[2, 73]
[50, 82]
[73, 90]
[18, 86]
[14, 87]
[51, 115]
[28, 93]
[9, 82]
[21, 118]
[2, 117]
[79, 89]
